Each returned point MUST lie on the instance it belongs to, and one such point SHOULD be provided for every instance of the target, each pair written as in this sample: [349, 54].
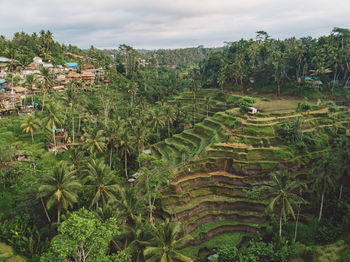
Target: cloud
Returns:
[170, 24]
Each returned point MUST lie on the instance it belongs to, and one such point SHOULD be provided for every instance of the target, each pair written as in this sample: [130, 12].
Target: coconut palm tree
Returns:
[136, 237]
[130, 205]
[12, 65]
[47, 82]
[132, 90]
[69, 100]
[324, 179]
[95, 141]
[165, 245]
[169, 116]
[31, 82]
[31, 125]
[51, 119]
[343, 157]
[126, 143]
[100, 180]
[283, 195]
[208, 100]
[60, 187]
[157, 118]
[76, 159]
[139, 132]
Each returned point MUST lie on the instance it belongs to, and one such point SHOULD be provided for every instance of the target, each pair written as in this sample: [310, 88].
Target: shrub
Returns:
[252, 194]
[303, 107]
[333, 108]
[244, 103]
[228, 253]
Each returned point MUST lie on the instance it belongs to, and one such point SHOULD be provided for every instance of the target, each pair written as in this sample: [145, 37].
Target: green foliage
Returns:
[228, 253]
[253, 193]
[120, 257]
[244, 103]
[257, 250]
[303, 107]
[291, 131]
[82, 237]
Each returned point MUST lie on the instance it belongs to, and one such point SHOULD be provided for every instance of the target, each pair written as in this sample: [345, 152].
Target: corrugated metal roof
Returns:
[72, 64]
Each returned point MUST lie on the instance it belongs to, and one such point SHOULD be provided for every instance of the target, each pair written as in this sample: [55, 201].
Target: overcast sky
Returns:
[171, 23]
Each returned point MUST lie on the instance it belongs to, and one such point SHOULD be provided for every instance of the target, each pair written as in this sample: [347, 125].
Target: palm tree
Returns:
[31, 125]
[169, 116]
[70, 101]
[60, 187]
[136, 237]
[46, 78]
[221, 80]
[157, 118]
[139, 132]
[95, 141]
[51, 119]
[324, 180]
[132, 90]
[130, 205]
[76, 159]
[164, 246]
[208, 100]
[126, 142]
[12, 67]
[282, 190]
[343, 156]
[100, 180]
[31, 82]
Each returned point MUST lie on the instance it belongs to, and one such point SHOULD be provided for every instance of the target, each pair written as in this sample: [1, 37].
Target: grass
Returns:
[277, 106]
[7, 254]
[223, 239]
[206, 227]
[213, 198]
[333, 253]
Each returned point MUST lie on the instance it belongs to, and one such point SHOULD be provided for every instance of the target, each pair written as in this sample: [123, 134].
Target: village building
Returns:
[88, 78]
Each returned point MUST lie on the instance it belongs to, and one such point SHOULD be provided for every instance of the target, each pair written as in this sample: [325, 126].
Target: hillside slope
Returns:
[223, 161]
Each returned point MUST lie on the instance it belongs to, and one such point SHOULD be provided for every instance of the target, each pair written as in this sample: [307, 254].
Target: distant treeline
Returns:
[281, 64]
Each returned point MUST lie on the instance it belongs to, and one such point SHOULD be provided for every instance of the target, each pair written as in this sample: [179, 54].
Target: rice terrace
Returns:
[174, 131]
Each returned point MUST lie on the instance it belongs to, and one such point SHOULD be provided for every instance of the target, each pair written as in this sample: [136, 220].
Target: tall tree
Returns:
[47, 82]
[324, 179]
[95, 141]
[284, 196]
[31, 125]
[165, 245]
[101, 181]
[59, 187]
[126, 142]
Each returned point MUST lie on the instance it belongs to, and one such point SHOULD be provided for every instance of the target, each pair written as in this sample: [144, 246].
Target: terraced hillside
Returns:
[205, 101]
[223, 161]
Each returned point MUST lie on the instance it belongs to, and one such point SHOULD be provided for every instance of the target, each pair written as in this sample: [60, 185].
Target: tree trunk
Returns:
[321, 207]
[54, 135]
[168, 122]
[150, 209]
[79, 123]
[341, 191]
[296, 225]
[32, 137]
[58, 212]
[126, 165]
[278, 90]
[42, 109]
[110, 158]
[281, 223]
[72, 110]
[47, 214]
